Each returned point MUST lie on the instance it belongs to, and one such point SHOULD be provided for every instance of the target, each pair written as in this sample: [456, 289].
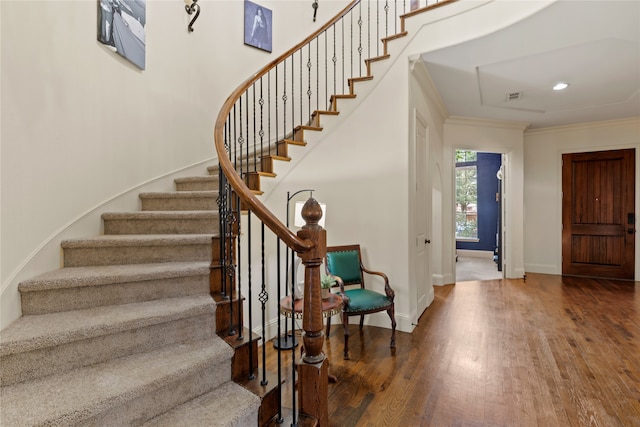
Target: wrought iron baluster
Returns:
[269, 110]
[335, 60]
[360, 39]
[326, 69]
[351, 43]
[261, 132]
[301, 103]
[279, 420]
[318, 75]
[342, 53]
[293, 335]
[293, 93]
[377, 28]
[386, 18]
[264, 297]
[369, 29]
[284, 99]
[246, 141]
[309, 93]
[253, 132]
[241, 142]
[235, 141]
[275, 99]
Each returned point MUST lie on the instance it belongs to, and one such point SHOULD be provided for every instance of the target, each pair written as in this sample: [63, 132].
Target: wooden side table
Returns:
[330, 307]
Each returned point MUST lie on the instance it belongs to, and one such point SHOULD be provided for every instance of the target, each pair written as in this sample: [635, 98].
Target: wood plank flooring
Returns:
[548, 351]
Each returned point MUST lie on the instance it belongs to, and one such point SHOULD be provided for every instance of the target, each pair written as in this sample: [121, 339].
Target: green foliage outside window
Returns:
[466, 195]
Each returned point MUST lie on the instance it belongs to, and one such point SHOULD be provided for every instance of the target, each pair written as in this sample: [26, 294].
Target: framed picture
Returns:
[121, 28]
[257, 26]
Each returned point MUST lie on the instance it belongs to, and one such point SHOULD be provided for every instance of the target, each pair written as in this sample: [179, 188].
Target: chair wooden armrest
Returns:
[387, 288]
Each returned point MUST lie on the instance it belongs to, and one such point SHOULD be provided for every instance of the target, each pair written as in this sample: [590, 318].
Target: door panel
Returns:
[423, 218]
[598, 214]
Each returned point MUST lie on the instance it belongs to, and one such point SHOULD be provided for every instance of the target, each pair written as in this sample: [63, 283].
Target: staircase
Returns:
[125, 332]
[129, 331]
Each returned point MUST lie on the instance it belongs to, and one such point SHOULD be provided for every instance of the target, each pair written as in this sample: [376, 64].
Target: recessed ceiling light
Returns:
[560, 86]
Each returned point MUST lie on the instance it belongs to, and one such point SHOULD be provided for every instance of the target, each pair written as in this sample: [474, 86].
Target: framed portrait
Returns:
[415, 4]
[121, 28]
[257, 26]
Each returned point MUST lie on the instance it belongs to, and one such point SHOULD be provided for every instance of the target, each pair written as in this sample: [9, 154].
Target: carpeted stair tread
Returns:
[79, 395]
[46, 330]
[137, 240]
[71, 277]
[136, 249]
[228, 405]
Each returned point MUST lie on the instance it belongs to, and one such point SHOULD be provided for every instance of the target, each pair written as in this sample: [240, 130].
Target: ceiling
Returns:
[594, 46]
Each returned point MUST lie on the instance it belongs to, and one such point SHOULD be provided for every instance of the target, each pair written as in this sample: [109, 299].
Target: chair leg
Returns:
[391, 313]
[361, 321]
[345, 324]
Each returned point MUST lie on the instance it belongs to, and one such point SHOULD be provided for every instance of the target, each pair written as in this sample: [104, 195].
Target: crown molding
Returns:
[474, 121]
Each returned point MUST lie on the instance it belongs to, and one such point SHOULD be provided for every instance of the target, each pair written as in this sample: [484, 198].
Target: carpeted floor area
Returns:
[473, 268]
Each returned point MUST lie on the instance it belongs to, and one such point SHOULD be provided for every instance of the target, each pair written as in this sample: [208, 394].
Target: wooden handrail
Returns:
[236, 182]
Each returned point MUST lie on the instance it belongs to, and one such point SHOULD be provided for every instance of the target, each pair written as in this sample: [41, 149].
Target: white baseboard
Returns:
[437, 279]
[474, 254]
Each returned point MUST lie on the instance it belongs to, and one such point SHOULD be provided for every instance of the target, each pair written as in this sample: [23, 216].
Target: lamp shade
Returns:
[298, 221]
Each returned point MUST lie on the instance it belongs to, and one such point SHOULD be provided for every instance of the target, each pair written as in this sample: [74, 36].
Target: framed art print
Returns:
[257, 26]
[121, 28]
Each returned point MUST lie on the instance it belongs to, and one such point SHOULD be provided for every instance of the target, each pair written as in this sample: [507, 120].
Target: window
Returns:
[466, 195]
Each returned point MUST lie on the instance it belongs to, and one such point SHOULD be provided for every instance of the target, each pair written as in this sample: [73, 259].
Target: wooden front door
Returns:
[598, 214]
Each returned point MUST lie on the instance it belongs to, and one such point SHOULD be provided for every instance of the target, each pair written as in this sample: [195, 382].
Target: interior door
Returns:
[423, 218]
[598, 214]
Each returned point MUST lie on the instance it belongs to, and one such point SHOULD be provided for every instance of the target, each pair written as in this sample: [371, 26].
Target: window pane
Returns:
[465, 156]
[467, 202]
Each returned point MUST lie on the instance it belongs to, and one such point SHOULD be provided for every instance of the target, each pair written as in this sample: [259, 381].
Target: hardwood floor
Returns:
[548, 351]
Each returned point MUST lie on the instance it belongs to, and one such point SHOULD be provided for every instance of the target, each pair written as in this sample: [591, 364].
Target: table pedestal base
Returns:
[285, 342]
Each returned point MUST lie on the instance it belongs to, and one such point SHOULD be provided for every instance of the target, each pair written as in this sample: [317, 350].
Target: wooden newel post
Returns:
[313, 384]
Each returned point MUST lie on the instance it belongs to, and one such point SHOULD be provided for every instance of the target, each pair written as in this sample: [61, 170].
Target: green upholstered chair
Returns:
[345, 264]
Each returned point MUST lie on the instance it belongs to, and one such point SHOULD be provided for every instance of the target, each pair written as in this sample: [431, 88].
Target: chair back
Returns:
[345, 262]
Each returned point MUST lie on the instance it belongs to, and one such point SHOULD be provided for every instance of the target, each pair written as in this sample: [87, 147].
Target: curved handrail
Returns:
[243, 191]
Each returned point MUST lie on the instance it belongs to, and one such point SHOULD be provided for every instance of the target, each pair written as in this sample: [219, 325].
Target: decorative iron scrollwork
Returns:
[193, 7]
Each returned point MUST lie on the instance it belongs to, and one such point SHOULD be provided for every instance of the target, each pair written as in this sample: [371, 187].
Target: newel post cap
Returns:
[312, 213]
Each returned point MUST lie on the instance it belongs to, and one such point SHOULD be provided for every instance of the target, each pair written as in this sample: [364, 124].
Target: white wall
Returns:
[81, 125]
[543, 151]
[360, 166]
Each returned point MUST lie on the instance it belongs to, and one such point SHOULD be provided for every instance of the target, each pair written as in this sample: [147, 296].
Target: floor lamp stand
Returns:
[288, 340]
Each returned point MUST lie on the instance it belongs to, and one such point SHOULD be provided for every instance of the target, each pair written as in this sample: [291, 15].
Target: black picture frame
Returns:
[258, 25]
